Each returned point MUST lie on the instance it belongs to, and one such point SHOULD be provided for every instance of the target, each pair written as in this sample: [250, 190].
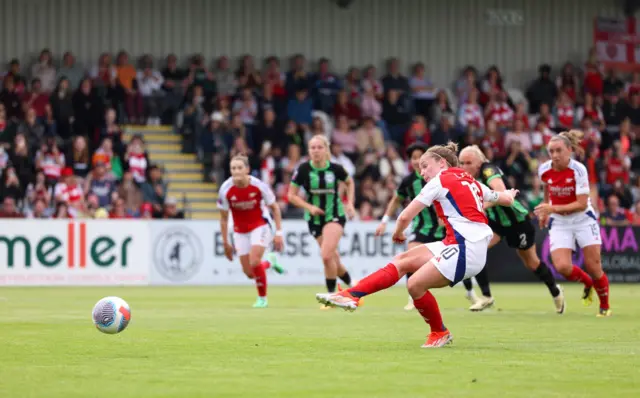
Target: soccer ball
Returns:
[111, 315]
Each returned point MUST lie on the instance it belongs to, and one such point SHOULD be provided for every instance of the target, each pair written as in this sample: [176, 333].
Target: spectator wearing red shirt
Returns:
[521, 114]
[499, 110]
[568, 81]
[352, 84]
[146, 211]
[70, 191]
[470, 112]
[593, 83]
[50, 160]
[347, 108]
[633, 87]
[119, 210]
[417, 132]
[617, 165]
[370, 80]
[491, 85]
[36, 99]
[493, 139]
[9, 209]
[565, 112]
[591, 109]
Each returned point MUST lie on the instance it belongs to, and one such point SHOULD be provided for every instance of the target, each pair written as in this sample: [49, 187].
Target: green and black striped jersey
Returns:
[321, 186]
[426, 223]
[505, 216]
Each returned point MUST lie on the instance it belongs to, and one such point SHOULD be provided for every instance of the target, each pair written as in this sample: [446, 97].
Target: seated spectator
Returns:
[246, 106]
[593, 83]
[78, 158]
[397, 117]
[470, 112]
[300, 109]
[275, 79]
[623, 193]
[265, 131]
[370, 137]
[352, 85]
[4, 159]
[494, 139]
[63, 211]
[614, 216]
[317, 127]
[112, 131]
[391, 164]
[137, 159]
[293, 135]
[370, 80]
[326, 87]
[11, 185]
[564, 112]
[215, 146]
[440, 107]
[39, 210]
[7, 128]
[290, 162]
[150, 81]
[491, 85]
[119, 211]
[347, 108]
[365, 213]
[419, 131]
[612, 85]
[223, 106]
[239, 130]
[10, 99]
[614, 111]
[146, 211]
[297, 77]
[542, 90]
[499, 111]
[535, 196]
[104, 76]
[247, 74]
[154, 190]
[200, 75]
[338, 156]
[127, 81]
[517, 165]
[9, 209]
[633, 87]
[541, 136]
[227, 83]
[520, 135]
[44, 71]
[633, 111]
[173, 82]
[69, 191]
[36, 99]
[100, 184]
[592, 136]
[70, 71]
[370, 107]
[635, 216]
[444, 131]
[545, 117]
[635, 190]
[22, 160]
[87, 110]
[18, 79]
[423, 91]
[345, 138]
[38, 191]
[467, 82]
[33, 131]
[50, 160]
[568, 82]
[617, 165]
[626, 135]
[104, 154]
[521, 114]
[171, 209]
[62, 108]
[267, 164]
[394, 79]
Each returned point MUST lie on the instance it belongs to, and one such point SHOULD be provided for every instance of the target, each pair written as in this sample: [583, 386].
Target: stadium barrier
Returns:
[112, 252]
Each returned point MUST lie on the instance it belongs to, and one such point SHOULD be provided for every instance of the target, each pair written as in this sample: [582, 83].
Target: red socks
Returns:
[602, 288]
[578, 275]
[265, 265]
[381, 279]
[261, 278]
[428, 308]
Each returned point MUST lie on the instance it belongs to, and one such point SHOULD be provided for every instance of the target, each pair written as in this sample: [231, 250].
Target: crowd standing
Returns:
[62, 151]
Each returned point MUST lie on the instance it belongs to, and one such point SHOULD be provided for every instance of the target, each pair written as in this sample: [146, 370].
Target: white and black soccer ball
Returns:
[111, 315]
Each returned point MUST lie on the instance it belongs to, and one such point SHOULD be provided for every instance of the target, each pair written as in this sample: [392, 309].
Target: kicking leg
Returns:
[532, 261]
[410, 305]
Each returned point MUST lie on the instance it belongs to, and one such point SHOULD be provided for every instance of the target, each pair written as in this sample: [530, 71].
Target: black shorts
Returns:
[316, 229]
[519, 236]
[422, 238]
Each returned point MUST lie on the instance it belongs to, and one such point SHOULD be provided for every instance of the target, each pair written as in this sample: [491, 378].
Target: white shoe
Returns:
[471, 296]
[482, 304]
[337, 300]
[559, 301]
[409, 306]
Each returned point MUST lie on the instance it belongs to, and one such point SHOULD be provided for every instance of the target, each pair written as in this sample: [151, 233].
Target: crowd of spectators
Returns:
[61, 129]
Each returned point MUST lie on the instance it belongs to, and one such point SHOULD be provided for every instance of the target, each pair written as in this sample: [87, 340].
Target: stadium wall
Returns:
[444, 34]
[111, 252]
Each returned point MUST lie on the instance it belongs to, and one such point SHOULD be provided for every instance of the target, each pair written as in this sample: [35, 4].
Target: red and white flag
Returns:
[617, 42]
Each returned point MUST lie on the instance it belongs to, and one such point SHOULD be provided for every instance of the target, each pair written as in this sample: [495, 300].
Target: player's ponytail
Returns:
[571, 139]
[476, 151]
[447, 152]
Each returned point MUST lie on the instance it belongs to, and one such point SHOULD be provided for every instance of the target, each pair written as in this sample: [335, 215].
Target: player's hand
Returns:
[351, 211]
[543, 210]
[543, 222]
[398, 237]
[278, 243]
[513, 192]
[228, 251]
[316, 211]
[381, 228]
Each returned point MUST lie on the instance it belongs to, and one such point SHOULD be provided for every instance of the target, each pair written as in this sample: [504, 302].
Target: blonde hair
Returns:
[244, 159]
[446, 152]
[571, 139]
[325, 142]
[475, 150]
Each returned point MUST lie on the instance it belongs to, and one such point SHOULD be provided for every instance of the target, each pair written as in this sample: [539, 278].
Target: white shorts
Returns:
[261, 236]
[459, 261]
[564, 236]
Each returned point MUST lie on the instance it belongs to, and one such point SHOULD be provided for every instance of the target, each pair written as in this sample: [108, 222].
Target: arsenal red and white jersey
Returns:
[246, 204]
[564, 186]
[70, 194]
[459, 202]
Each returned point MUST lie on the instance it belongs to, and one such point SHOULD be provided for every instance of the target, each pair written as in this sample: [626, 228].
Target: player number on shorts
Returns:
[449, 252]
[475, 191]
[523, 240]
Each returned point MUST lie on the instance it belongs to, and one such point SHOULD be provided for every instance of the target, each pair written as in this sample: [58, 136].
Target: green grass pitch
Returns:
[209, 342]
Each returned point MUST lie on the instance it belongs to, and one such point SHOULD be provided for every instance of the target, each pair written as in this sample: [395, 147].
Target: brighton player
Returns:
[425, 227]
[512, 223]
[244, 195]
[324, 210]
[567, 212]
[458, 199]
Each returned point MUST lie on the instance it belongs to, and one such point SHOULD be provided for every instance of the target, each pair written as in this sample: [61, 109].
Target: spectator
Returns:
[593, 83]
[300, 109]
[87, 108]
[40, 210]
[247, 74]
[370, 106]
[215, 145]
[33, 131]
[4, 159]
[396, 116]
[422, 90]
[535, 196]
[568, 81]
[516, 165]
[297, 78]
[635, 190]
[392, 165]
[9, 209]
[347, 108]
[440, 107]
[494, 139]
[127, 81]
[417, 132]
[7, 128]
[194, 119]
[341, 158]
[564, 112]
[345, 138]
[112, 131]
[635, 217]
[62, 108]
[171, 209]
[222, 106]
[541, 136]
[69, 191]
[617, 164]
[11, 185]
[150, 81]
[36, 99]
[470, 112]
[520, 135]
[614, 216]
[275, 80]
[173, 79]
[613, 111]
[239, 130]
[119, 211]
[154, 190]
[99, 184]
[592, 136]
[327, 86]
[19, 81]
[226, 80]
[10, 99]
[612, 84]
[366, 211]
[106, 155]
[370, 80]
[246, 106]
[78, 158]
[394, 80]
[199, 75]
[545, 117]
[352, 85]
[137, 159]
[267, 164]
[521, 114]
[467, 83]
[104, 76]
[625, 136]
[633, 87]
[633, 111]
[542, 90]
[317, 127]
[370, 137]
[70, 71]
[492, 84]
[146, 211]
[63, 211]
[44, 71]
[22, 160]
[498, 110]
[292, 134]
[444, 132]
[623, 193]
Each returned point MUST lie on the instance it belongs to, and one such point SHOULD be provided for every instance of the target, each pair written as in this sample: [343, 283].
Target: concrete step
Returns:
[193, 187]
[180, 167]
[173, 175]
[205, 215]
[154, 147]
[134, 129]
[195, 196]
[165, 138]
[209, 206]
[173, 157]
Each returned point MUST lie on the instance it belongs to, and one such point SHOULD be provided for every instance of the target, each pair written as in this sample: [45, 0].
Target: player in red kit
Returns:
[567, 212]
[458, 199]
[243, 195]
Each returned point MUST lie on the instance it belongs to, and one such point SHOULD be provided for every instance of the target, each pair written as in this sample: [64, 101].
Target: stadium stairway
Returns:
[183, 172]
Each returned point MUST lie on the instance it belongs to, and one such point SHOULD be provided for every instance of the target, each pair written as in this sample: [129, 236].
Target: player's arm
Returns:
[224, 226]
[295, 199]
[582, 196]
[497, 184]
[409, 213]
[270, 200]
[351, 196]
[425, 198]
[504, 198]
[581, 203]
